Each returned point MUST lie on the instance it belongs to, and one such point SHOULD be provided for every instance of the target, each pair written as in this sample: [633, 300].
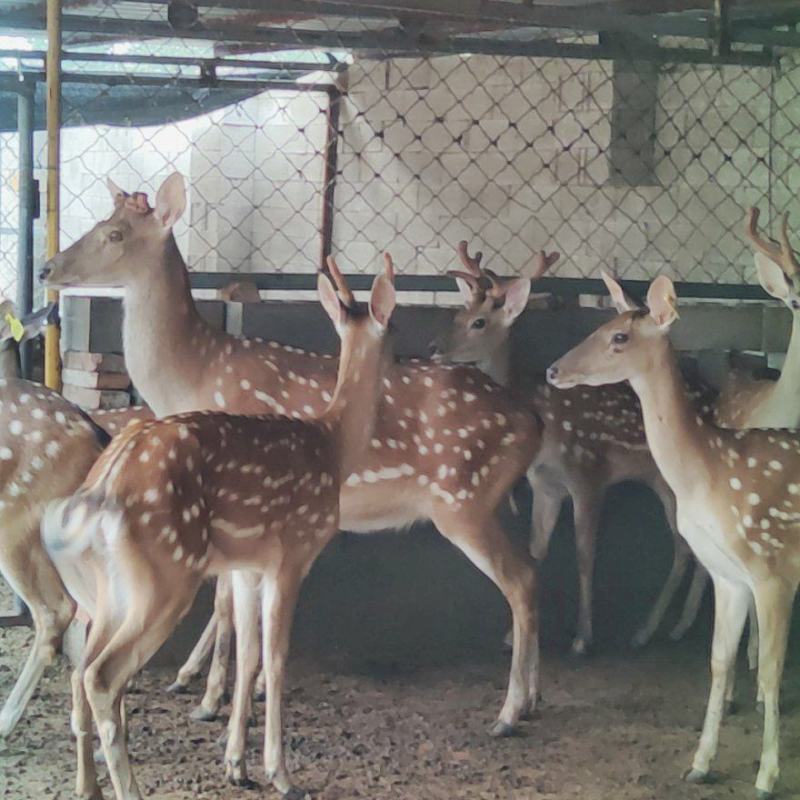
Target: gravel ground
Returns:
[619, 726]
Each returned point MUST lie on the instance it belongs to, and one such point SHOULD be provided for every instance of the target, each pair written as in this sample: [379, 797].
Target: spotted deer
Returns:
[593, 438]
[766, 403]
[173, 501]
[448, 443]
[738, 506]
[46, 448]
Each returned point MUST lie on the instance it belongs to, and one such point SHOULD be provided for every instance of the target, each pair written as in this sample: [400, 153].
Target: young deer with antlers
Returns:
[198, 494]
[738, 505]
[47, 446]
[593, 439]
[766, 403]
[448, 444]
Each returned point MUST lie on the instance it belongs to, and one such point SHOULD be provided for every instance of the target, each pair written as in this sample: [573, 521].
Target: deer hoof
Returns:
[201, 714]
[501, 730]
[236, 773]
[581, 647]
[731, 708]
[178, 688]
[698, 776]
[640, 640]
[295, 793]
[763, 794]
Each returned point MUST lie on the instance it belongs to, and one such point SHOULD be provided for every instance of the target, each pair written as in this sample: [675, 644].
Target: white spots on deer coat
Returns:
[15, 427]
[753, 499]
[6, 454]
[735, 483]
[52, 449]
[219, 399]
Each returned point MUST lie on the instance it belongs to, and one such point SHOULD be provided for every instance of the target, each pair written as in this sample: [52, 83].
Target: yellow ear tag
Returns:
[16, 326]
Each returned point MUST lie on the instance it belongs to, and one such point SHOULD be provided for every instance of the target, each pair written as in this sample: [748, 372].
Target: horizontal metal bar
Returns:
[568, 287]
[154, 80]
[190, 61]
[767, 37]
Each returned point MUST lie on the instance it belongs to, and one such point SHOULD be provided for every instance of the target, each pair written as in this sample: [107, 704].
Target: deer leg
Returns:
[32, 575]
[587, 507]
[730, 610]
[145, 627]
[218, 672]
[681, 555]
[486, 544]
[86, 786]
[774, 608]
[193, 665]
[547, 501]
[691, 606]
[246, 587]
[278, 601]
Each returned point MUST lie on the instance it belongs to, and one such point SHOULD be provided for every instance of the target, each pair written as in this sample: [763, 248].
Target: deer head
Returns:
[14, 331]
[776, 262]
[120, 250]
[622, 348]
[491, 304]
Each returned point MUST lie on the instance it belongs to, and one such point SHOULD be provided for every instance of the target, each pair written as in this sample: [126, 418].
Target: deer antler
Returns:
[345, 294]
[138, 202]
[542, 262]
[782, 254]
[472, 263]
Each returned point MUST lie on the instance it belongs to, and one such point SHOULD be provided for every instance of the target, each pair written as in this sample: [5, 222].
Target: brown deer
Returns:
[198, 494]
[448, 444]
[737, 504]
[593, 438]
[766, 403]
[46, 448]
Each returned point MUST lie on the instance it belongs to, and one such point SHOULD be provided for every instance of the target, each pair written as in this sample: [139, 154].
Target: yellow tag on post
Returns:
[16, 326]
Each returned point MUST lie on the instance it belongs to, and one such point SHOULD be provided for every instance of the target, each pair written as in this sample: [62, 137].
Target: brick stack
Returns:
[95, 380]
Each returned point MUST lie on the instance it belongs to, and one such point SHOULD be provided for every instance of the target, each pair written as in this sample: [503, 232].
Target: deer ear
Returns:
[662, 302]
[771, 277]
[171, 200]
[330, 301]
[465, 289]
[516, 294]
[621, 301]
[382, 300]
[117, 194]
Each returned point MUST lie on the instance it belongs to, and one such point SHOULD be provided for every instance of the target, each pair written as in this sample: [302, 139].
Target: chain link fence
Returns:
[631, 166]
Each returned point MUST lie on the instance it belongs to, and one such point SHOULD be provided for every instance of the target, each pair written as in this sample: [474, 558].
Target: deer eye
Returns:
[478, 323]
[115, 236]
[620, 338]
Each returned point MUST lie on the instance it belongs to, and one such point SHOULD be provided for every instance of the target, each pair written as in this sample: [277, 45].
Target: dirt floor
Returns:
[618, 725]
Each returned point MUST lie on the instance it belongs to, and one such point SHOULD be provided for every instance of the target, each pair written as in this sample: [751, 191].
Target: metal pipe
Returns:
[26, 209]
[52, 360]
[329, 178]
[178, 61]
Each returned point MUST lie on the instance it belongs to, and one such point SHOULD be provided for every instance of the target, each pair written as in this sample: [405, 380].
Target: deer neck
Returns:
[677, 437]
[9, 360]
[354, 406]
[497, 364]
[786, 393]
[163, 332]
